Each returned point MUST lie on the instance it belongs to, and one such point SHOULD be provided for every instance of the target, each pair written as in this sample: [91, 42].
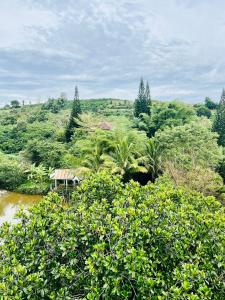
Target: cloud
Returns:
[47, 47]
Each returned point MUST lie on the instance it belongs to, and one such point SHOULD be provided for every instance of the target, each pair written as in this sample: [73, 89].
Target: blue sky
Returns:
[105, 46]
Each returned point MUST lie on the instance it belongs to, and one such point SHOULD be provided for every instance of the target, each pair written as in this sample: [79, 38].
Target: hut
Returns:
[105, 126]
[65, 178]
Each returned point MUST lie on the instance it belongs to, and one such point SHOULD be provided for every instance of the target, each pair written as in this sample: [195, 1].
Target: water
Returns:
[10, 203]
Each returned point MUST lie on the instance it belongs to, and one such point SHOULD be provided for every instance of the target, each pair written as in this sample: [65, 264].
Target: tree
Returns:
[94, 160]
[219, 122]
[116, 241]
[141, 104]
[210, 104]
[75, 114]
[196, 178]
[12, 172]
[15, 104]
[203, 111]
[148, 98]
[125, 149]
[165, 115]
[190, 145]
[152, 159]
[45, 152]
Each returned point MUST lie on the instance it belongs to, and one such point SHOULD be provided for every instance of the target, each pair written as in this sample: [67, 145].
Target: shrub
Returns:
[11, 172]
[152, 242]
[203, 111]
[197, 178]
[33, 188]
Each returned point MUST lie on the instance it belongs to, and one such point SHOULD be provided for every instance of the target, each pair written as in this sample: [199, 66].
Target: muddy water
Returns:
[11, 202]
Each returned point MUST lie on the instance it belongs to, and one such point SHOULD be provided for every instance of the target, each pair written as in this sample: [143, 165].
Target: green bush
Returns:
[11, 172]
[33, 188]
[152, 242]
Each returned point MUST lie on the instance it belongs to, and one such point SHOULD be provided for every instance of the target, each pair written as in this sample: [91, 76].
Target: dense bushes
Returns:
[190, 144]
[116, 242]
[11, 172]
[34, 188]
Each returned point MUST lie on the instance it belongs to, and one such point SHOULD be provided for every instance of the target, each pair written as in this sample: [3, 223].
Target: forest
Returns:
[146, 222]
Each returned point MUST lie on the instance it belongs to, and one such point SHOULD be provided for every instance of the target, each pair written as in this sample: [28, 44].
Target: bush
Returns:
[33, 188]
[152, 242]
[190, 144]
[197, 178]
[203, 111]
[11, 172]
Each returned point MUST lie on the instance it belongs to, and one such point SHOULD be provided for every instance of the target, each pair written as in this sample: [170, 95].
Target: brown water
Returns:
[10, 203]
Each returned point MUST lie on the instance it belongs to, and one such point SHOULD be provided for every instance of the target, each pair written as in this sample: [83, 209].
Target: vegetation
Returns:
[219, 122]
[75, 113]
[147, 222]
[116, 242]
[142, 104]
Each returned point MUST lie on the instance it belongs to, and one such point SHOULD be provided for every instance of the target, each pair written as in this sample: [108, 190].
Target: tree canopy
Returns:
[116, 242]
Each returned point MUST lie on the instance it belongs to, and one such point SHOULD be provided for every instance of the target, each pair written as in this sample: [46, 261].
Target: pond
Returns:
[11, 202]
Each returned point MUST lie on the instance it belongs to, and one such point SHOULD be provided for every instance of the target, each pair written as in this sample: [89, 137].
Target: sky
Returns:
[106, 46]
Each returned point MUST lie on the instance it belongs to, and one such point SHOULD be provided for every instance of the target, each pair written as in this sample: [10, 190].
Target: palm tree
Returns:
[152, 159]
[94, 160]
[124, 156]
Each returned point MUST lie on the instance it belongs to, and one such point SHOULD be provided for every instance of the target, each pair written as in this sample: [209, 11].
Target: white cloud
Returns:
[20, 24]
[106, 46]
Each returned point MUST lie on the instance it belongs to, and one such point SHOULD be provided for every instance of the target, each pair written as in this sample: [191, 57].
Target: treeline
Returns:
[140, 141]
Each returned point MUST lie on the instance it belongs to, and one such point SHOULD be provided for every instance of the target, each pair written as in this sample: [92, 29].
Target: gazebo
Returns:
[65, 177]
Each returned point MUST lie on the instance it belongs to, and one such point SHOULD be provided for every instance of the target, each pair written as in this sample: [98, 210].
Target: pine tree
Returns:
[140, 104]
[75, 113]
[148, 99]
[219, 122]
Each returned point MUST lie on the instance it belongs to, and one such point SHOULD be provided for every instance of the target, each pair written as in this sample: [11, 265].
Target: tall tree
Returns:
[148, 98]
[75, 113]
[141, 103]
[219, 122]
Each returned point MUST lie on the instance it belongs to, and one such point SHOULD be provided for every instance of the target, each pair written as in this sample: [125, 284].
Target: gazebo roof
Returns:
[105, 126]
[64, 174]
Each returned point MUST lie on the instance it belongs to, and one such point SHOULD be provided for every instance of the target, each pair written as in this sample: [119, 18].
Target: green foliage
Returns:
[40, 116]
[148, 99]
[39, 173]
[12, 172]
[95, 159]
[190, 144]
[142, 104]
[15, 104]
[54, 105]
[152, 159]
[75, 113]
[203, 111]
[9, 118]
[210, 104]
[45, 152]
[117, 242]
[164, 115]
[219, 122]
[117, 150]
[33, 188]
[195, 178]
